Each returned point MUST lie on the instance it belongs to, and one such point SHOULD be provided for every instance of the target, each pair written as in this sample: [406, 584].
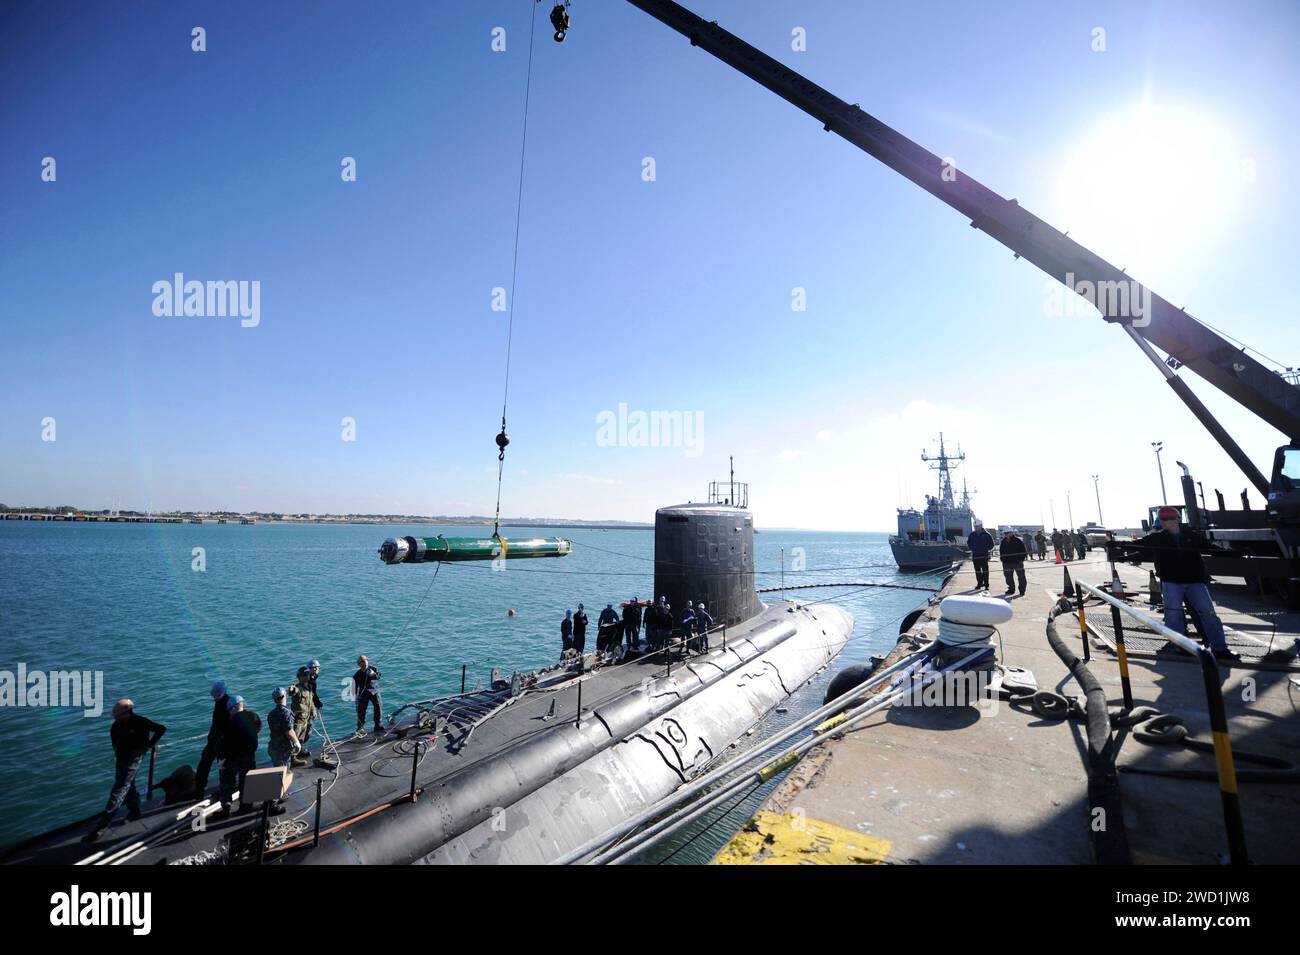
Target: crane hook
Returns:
[560, 20]
[502, 441]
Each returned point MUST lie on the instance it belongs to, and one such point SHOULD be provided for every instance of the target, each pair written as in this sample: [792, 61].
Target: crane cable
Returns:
[502, 439]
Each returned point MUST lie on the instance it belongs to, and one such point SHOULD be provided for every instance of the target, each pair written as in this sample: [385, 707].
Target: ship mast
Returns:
[945, 464]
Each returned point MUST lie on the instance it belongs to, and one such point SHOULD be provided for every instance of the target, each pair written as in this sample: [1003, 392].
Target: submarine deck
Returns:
[953, 786]
[372, 771]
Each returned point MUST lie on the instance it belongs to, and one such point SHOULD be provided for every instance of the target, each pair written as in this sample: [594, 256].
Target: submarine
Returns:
[533, 766]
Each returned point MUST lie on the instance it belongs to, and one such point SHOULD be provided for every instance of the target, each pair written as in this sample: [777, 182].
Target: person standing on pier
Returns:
[1012, 552]
[980, 543]
[1041, 540]
[132, 736]
[1056, 545]
[1176, 551]
[365, 683]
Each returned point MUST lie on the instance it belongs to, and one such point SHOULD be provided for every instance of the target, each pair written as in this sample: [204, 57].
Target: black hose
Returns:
[1110, 842]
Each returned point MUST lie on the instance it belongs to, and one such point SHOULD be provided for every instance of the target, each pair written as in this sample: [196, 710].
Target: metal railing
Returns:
[735, 493]
[1227, 772]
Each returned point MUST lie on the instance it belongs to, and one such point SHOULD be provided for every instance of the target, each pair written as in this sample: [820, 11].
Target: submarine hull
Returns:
[555, 790]
[651, 762]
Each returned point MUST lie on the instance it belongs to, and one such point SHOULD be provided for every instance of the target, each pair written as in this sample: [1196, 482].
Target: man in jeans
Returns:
[980, 543]
[1013, 552]
[1176, 551]
[132, 737]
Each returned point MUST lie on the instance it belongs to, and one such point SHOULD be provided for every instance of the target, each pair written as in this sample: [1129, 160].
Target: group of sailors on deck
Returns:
[617, 634]
[232, 741]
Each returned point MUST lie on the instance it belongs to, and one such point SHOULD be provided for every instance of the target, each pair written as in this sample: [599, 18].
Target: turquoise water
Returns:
[123, 599]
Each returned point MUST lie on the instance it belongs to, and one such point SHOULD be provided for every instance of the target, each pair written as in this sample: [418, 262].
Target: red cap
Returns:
[1167, 512]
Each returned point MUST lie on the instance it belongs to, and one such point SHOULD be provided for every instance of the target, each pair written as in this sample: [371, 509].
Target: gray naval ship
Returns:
[537, 764]
[935, 537]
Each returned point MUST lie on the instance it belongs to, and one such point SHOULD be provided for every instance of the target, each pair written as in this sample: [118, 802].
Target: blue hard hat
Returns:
[278, 693]
[235, 701]
[313, 664]
[218, 689]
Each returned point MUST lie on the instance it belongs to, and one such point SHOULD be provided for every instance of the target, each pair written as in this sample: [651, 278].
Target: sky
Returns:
[372, 380]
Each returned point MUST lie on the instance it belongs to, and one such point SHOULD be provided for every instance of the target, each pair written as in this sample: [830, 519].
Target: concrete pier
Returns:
[956, 785]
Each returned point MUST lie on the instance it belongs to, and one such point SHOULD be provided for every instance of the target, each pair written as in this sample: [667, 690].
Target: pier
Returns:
[962, 785]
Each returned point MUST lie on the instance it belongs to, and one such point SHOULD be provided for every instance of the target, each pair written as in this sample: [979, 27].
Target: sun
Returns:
[1153, 187]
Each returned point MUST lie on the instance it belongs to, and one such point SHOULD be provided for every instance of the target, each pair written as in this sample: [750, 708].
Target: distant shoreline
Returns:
[130, 517]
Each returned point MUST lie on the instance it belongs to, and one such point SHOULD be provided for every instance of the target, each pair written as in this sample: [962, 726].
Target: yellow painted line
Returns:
[785, 838]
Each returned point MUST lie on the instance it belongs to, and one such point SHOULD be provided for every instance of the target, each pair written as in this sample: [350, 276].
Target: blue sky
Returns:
[666, 295]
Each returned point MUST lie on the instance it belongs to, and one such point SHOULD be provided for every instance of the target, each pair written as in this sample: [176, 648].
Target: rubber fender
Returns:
[848, 678]
[909, 620]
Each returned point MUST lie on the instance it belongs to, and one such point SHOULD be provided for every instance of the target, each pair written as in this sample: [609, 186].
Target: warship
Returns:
[934, 538]
[536, 764]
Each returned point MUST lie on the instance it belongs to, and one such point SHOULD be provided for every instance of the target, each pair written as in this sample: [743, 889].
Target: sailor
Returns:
[566, 630]
[220, 718]
[1067, 541]
[1041, 540]
[632, 624]
[1056, 544]
[1176, 551]
[1012, 553]
[980, 543]
[1027, 539]
[132, 736]
[305, 703]
[607, 629]
[238, 754]
[654, 624]
[1081, 541]
[688, 627]
[580, 630]
[365, 683]
[282, 744]
[703, 624]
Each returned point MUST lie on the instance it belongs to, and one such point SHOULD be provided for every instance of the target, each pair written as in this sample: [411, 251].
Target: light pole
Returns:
[1157, 445]
[1100, 520]
[1069, 510]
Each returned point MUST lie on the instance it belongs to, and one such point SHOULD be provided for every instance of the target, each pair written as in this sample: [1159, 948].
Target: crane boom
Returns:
[1217, 360]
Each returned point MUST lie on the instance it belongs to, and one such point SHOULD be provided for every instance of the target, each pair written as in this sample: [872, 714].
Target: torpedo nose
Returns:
[393, 550]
